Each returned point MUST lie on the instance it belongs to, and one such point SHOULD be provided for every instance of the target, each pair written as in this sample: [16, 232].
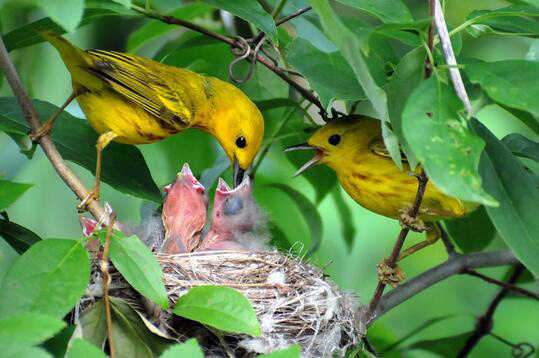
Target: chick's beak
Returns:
[237, 173]
[311, 163]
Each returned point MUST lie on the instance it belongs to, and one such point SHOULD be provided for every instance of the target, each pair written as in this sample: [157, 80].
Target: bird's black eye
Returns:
[334, 139]
[241, 142]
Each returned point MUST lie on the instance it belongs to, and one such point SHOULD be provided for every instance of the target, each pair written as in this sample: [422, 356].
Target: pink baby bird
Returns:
[184, 213]
[237, 222]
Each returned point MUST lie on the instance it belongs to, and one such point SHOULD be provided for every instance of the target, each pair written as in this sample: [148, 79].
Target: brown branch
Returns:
[513, 288]
[104, 266]
[392, 261]
[485, 322]
[45, 142]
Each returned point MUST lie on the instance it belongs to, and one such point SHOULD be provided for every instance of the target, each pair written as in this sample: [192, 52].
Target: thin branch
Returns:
[428, 63]
[485, 322]
[449, 247]
[104, 266]
[392, 261]
[456, 264]
[449, 56]
[45, 142]
[513, 288]
[293, 15]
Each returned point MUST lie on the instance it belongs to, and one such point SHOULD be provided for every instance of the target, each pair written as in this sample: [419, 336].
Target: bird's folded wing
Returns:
[377, 146]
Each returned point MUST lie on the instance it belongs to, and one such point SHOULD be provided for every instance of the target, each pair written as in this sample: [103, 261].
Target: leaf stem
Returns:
[104, 266]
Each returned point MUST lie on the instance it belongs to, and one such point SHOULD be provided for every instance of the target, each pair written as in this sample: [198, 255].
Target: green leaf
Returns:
[250, 11]
[131, 336]
[278, 238]
[220, 307]
[513, 20]
[123, 166]
[522, 146]
[472, 233]
[310, 214]
[57, 345]
[138, 266]
[18, 237]
[155, 29]
[48, 278]
[189, 348]
[511, 82]
[350, 48]
[66, 13]
[293, 351]
[93, 324]
[526, 117]
[516, 217]
[345, 216]
[32, 352]
[442, 143]
[10, 192]
[443, 347]
[21, 331]
[209, 176]
[389, 11]
[82, 349]
[327, 73]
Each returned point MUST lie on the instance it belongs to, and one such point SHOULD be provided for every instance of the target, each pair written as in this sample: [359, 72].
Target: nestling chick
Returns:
[184, 213]
[237, 221]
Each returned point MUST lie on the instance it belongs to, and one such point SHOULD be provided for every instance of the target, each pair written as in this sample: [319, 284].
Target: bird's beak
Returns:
[237, 173]
[311, 163]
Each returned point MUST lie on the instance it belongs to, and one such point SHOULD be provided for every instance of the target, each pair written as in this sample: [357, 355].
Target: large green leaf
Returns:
[10, 192]
[17, 236]
[389, 11]
[328, 73]
[22, 331]
[189, 348]
[441, 141]
[48, 278]
[154, 29]
[82, 349]
[516, 217]
[310, 214]
[293, 351]
[472, 233]
[522, 146]
[250, 11]
[31, 352]
[93, 324]
[512, 82]
[221, 307]
[123, 166]
[138, 266]
[513, 20]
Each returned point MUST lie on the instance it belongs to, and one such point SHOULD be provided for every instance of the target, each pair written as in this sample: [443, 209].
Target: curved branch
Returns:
[456, 264]
[45, 142]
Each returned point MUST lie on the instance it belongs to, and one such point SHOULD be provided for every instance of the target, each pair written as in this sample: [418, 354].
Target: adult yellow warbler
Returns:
[134, 100]
[354, 148]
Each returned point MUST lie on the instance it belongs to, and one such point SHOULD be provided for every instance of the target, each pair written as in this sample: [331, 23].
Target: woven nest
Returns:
[294, 302]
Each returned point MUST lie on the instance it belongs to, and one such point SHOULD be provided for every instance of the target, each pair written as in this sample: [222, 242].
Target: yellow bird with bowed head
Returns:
[134, 100]
[353, 147]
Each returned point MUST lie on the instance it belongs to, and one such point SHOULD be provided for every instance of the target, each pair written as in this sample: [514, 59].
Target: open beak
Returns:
[311, 163]
[237, 173]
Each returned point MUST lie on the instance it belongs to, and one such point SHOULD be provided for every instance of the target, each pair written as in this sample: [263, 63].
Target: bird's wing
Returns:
[377, 146]
[128, 76]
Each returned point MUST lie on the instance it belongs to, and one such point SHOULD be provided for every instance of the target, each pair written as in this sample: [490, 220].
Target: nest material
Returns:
[294, 302]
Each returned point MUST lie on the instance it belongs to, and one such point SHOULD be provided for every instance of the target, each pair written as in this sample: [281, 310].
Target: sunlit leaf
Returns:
[522, 146]
[386, 10]
[221, 307]
[310, 214]
[138, 266]
[10, 192]
[511, 82]
[32, 352]
[189, 348]
[471, 233]
[442, 143]
[25, 330]
[293, 351]
[82, 349]
[123, 166]
[506, 179]
[48, 278]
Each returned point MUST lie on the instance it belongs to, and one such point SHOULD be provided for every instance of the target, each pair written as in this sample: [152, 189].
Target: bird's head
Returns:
[336, 141]
[239, 128]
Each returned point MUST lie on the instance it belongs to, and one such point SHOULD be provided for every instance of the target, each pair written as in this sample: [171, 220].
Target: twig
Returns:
[449, 247]
[485, 322]
[293, 15]
[430, 43]
[104, 266]
[514, 288]
[307, 94]
[45, 142]
[392, 261]
[449, 56]
[456, 264]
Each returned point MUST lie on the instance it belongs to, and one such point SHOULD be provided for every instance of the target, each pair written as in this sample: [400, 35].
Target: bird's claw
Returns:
[389, 275]
[409, 222]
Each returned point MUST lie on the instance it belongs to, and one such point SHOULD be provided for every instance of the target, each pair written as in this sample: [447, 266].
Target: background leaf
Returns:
[443, 347]
[48, 278]
[293, 351]
[386, 10]
[221, 307]
[473, 232]
[505, 177]
[10, 192]
[18, 237]
[522, 146]
[66, 13]
[82, 349]
[189, 348]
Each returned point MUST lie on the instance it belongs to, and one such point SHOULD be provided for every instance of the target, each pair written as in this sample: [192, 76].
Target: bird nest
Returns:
[294, 302]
